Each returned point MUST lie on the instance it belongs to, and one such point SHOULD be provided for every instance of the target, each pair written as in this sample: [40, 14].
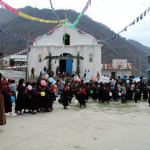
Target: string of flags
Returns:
[25, 40]
[79, 17]
[21, 14]
[138, 19]
[54, 12]
[18, 53]
[49, 32]
[14, 36]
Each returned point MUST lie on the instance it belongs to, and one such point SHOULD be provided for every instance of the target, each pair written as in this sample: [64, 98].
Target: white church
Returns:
[73, 44]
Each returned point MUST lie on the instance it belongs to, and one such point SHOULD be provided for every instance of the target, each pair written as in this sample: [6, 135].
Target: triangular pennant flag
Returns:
[137, 19]
[145, 12]
[141, 16]
[133, 22]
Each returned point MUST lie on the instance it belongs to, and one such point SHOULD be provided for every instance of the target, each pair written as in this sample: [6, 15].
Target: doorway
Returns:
[65, 65]
[113, 74]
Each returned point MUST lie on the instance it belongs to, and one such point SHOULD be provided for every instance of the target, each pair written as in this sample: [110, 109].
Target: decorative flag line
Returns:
[54, 12]
[18, 53]
[19, 13]
[40, 48]
[75, 23]
[79, 17]
[49, 32]
[86, 7]
[25, 40]
[15, 36]
[139, 18]
[63, 44]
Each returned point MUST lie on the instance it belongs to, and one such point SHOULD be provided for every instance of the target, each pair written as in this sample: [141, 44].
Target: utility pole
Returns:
[28, 48]
[134, 64]
[140, 66]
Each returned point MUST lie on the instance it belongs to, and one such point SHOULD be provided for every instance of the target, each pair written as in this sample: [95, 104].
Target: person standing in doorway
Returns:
[57, 70]
[84, 73]
[32, 72]
[44, 68]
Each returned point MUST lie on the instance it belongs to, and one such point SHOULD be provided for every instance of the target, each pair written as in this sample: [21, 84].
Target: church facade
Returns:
[66, 42]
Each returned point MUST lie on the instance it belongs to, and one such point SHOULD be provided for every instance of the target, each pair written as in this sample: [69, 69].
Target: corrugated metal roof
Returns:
[110, 67]
[19, 57]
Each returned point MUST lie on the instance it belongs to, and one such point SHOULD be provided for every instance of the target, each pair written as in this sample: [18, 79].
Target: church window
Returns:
[91, 58]
[66, 39]
[40, 58]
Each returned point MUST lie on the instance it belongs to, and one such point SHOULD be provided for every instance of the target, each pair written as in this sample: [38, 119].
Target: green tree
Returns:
[49, 68]
[78, 65]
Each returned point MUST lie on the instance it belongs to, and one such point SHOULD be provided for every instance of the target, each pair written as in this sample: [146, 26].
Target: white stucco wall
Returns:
[56, 38]
[120, 73]
[78, 43]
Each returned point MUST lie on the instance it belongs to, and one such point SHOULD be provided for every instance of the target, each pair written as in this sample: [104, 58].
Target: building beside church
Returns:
[119, 67]
[66, 42]
[4, 61]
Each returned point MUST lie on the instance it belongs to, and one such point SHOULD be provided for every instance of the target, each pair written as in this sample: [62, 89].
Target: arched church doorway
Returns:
[65, 65]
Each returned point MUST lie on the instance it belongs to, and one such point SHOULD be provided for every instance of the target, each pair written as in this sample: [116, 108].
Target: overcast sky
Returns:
[116, 14]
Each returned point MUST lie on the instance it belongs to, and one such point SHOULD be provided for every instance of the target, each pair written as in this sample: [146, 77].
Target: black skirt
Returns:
[19, 103]
[82, 99]
[33, 103]
[7, 103]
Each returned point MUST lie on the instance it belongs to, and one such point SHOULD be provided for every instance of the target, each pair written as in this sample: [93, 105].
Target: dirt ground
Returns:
[111, 126]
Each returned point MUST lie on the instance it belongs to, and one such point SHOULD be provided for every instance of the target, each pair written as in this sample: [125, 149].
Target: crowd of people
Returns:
[39, 96]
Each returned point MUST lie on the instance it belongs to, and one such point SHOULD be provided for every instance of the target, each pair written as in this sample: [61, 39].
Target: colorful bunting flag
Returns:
[145, 13]
[79, 17]
[86, 7]
[75, 23]
[141, 16]
[6, 6]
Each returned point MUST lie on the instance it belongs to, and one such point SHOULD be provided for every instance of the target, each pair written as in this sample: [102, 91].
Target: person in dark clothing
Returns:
[7, 101]
[136, 95]
[81, 93]
[145, 93]
[20, 97]
[44, 68]
[66, 96]
[32, 72]
[85, 74]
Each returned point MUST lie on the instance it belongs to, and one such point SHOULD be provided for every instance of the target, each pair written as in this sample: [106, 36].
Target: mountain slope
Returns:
[5, 16]
[141, 47]
[119, 48]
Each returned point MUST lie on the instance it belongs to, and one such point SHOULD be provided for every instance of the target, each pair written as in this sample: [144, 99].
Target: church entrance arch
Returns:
[66, 65]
